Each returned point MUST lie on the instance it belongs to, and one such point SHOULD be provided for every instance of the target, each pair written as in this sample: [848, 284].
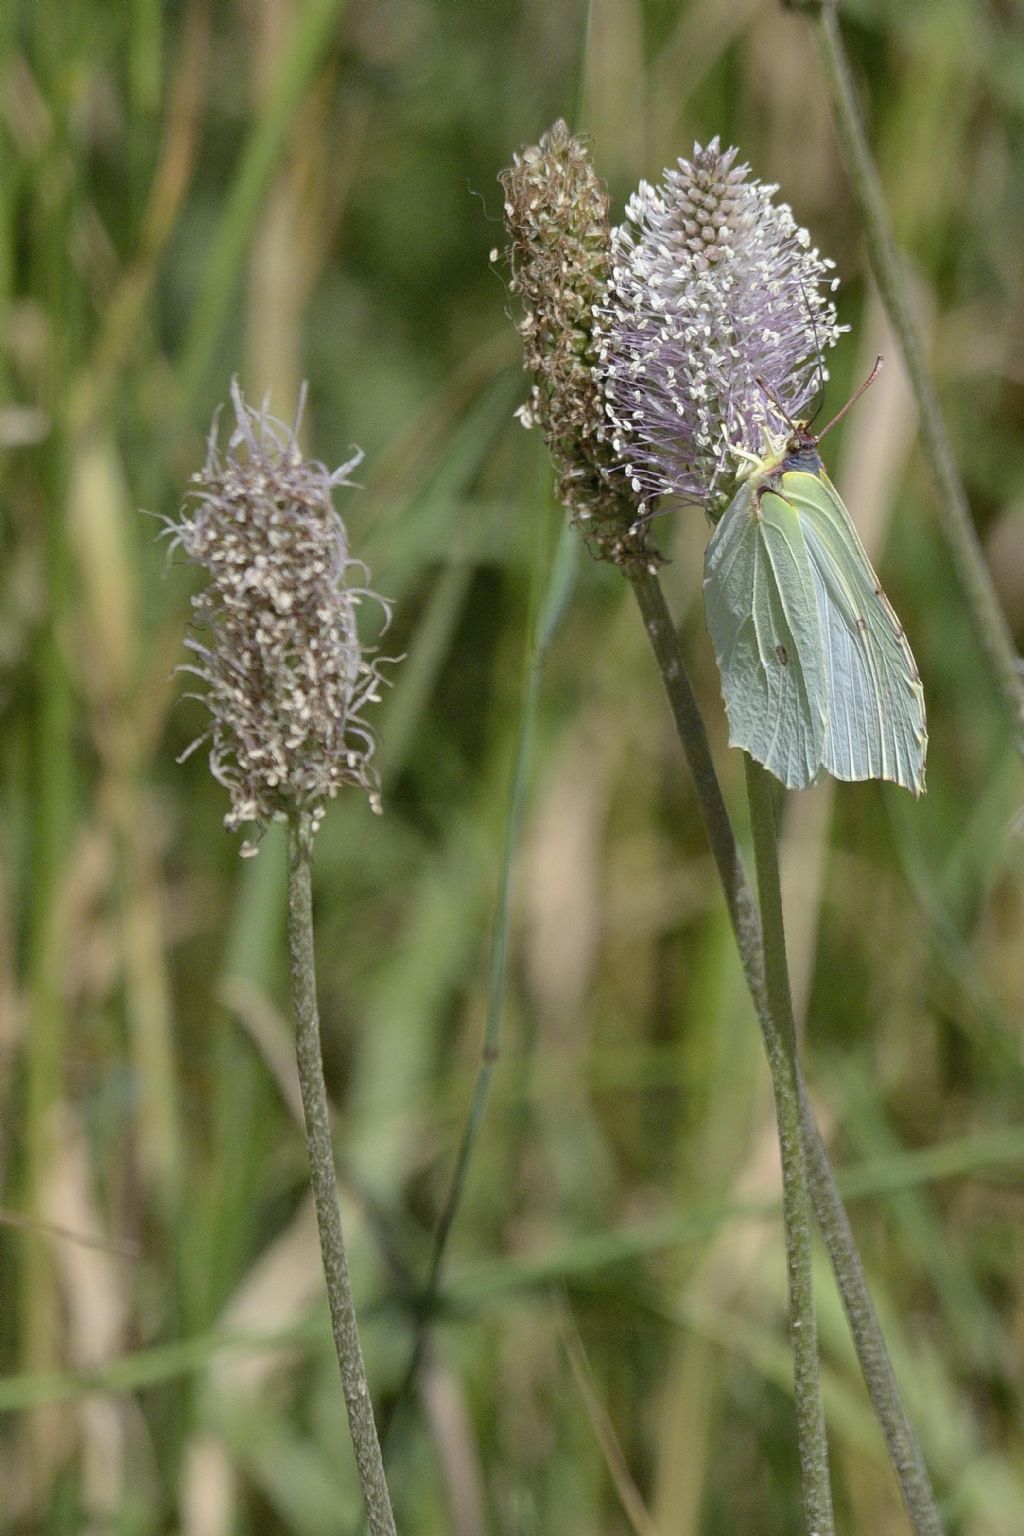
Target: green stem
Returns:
[362, 1428]
[887, 266]
[553, 601]
[876, 1367]
[883, 1388]
[796, 1209]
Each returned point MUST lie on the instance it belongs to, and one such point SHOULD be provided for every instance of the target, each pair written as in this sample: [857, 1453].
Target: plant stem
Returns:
[876, 1367]
[883, 1388]
[361, 1424]
[796, 1210]
[955, 518]
[553, 600]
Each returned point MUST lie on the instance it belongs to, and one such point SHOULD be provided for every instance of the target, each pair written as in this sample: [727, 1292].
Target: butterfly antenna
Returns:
[767, 390]
[872, 376]
[819, 364]
[818, 359]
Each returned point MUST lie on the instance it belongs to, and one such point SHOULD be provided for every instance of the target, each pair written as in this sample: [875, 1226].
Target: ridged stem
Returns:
[555, 594]
[876, 1367]
[796, 1208]
[362, 1428]
[883, 1388]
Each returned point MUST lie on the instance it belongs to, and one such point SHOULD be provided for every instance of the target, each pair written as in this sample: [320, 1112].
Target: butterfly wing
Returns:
[875, 703]
[763, 617]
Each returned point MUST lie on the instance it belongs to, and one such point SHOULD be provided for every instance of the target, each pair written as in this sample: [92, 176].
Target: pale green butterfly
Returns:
[817, 675]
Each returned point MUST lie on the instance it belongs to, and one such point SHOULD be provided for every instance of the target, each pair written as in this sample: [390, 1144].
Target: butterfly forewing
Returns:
[875, 704]
[763, 619]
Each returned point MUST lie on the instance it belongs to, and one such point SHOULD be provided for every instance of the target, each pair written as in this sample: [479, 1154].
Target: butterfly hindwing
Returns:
[875, 703]
[764, 624]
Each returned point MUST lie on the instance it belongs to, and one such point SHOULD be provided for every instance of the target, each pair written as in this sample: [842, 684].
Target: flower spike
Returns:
[287, 675]
[714, 288]
[559, 255]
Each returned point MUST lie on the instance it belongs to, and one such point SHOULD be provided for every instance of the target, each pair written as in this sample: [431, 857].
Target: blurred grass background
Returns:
[294, 191]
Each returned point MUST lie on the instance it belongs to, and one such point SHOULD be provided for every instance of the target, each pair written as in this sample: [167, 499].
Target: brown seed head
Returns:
[286, 674]
[556, 214]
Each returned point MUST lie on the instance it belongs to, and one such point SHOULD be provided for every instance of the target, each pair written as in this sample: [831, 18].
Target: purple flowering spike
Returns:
[713, 288]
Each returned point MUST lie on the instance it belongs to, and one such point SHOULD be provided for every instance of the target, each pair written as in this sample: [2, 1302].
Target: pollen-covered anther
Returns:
[286, 672]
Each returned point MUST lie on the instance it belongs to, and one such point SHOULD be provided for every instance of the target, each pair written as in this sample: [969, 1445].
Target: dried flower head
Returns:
[715, 293]
[286, 673]
[556, 214]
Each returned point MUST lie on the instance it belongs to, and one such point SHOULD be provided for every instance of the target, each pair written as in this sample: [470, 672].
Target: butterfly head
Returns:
[801, 449]
[795, 449]
[798, 448]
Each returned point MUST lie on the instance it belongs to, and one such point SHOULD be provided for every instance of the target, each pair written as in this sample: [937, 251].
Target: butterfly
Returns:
[817, 674]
